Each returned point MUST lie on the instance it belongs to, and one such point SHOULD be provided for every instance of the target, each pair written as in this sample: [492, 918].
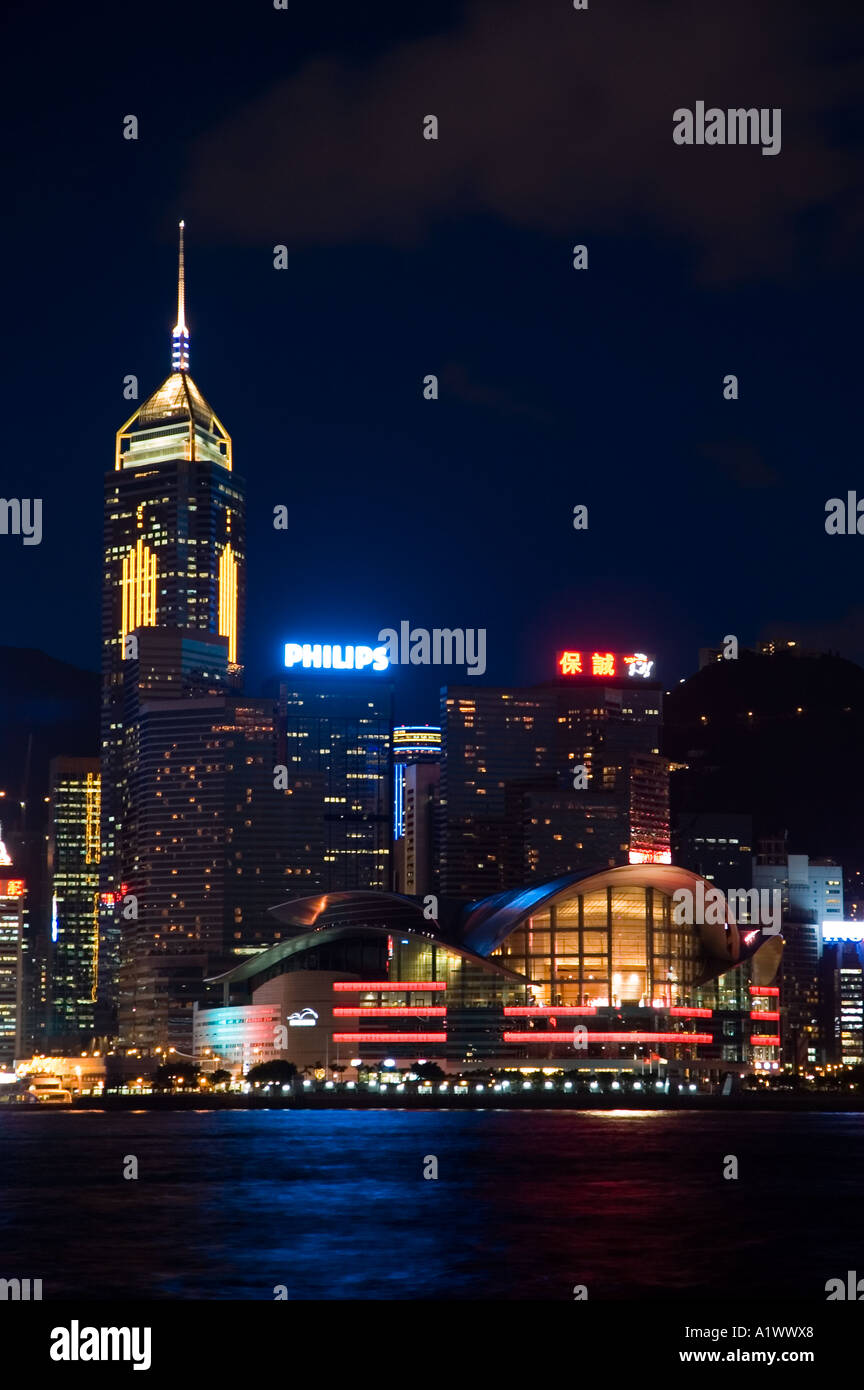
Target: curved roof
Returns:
[308, 940]
[486, 924]
[493, 919]
[354, 906]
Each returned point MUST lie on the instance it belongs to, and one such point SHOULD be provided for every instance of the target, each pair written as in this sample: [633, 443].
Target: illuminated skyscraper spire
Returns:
[180, 336]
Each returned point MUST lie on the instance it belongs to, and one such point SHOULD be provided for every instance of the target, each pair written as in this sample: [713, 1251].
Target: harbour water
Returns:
[526, 1205]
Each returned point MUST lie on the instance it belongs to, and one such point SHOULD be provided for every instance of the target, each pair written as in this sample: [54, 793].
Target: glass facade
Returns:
[606, 948]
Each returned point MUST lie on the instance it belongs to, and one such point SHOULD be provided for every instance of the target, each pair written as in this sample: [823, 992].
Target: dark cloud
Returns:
[741, 463]
[558, 120]
[455, 380]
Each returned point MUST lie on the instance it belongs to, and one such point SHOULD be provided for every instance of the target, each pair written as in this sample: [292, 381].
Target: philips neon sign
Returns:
[573, 663]
[842, 931]
[319, 656]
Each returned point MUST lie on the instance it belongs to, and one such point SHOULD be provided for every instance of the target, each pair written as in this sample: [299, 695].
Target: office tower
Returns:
[716, 845]
[12, 892]
[47, 708]
[416, 783]
[612, 729]
[812, 890]
[25, 864]
[205, 856]
[174, 544]
[414, 868]
[554, 778]
[338, 757]
[645, 794]
[74, 853]
[490, 737]
[812, 893]
[412, 744]
[552, 830]
[842, 982]
[851, 1011]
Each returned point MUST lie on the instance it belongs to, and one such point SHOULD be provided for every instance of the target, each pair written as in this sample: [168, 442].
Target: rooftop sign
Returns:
[603, 665]
[317, 656]
[842, 931]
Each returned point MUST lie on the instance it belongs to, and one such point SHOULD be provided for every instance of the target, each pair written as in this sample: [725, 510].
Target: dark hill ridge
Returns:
[781, 737]
[26, 671]
[51, 702]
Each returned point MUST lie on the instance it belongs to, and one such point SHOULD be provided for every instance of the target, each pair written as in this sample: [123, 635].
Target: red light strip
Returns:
[765, 1040]
[543, 1038]
[391, 1011]
[772, 990]
[347, 986]
[544, 1011]
[389, 1037]
[758, 1015]
[688, 1013]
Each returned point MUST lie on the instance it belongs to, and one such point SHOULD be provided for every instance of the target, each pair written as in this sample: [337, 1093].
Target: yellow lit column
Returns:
[138, 598]
[228, 600]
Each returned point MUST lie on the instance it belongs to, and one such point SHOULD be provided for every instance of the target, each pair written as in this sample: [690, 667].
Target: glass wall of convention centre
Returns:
[415, 960]
[610, 947]
[470, 984]
[466, 994]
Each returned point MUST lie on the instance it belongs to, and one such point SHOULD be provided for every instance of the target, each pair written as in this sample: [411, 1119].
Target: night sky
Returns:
[409, 257]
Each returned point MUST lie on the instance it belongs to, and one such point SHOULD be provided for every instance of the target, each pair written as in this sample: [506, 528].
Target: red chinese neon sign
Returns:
[606, 665]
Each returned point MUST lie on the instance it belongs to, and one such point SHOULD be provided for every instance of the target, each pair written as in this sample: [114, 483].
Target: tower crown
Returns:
[176, 421]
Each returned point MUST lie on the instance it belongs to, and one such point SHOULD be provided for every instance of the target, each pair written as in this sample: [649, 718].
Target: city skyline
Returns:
[174, 517]
[432, 674]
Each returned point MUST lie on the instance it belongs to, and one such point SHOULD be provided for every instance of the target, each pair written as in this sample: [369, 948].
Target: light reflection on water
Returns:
[626, 1114]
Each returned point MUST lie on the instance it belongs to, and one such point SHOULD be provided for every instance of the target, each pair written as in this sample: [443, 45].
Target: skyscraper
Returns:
[203, 855]
[811, 894]
[174, 558]
[553, 778]
[491, 737]
[73, 868]
[11, 960]
[715, 844]
[338, 740]
[842, 987]
[416, 781]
